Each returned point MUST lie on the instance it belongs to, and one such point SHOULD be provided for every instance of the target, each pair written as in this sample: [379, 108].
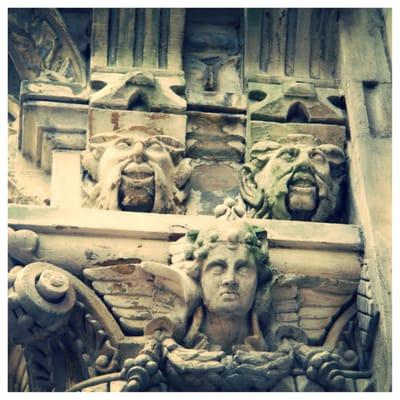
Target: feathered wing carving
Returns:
[140, 293]
[308, 307]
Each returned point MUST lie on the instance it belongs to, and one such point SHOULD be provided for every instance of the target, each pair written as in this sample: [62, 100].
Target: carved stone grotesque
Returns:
[293, 181]
[136, 169]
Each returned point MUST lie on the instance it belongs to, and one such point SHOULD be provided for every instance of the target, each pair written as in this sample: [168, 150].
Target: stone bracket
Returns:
[295, 102]
[138, 89]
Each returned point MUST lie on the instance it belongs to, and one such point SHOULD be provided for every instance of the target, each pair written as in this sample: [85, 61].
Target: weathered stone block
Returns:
[216, 137]
[210, 183]
[105, 121]
[295, 132]
[48, 126]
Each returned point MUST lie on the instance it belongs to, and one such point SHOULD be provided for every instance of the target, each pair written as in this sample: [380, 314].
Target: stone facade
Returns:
[195, 200]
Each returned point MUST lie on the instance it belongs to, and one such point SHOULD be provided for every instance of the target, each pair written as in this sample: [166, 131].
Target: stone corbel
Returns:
[138, 90]
[296, 101]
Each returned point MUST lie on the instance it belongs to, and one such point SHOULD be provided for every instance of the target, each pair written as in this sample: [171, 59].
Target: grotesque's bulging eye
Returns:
[317, 157]
[122, 145]
[154, 146]
[288, 154]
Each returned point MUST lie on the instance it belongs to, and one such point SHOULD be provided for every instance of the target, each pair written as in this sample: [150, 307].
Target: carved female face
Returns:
[143, 165]
[229, 279]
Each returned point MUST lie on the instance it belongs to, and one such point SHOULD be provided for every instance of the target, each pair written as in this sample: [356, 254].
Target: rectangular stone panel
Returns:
[216, 137]
[289, 133]
[103, 121]
[210, 184]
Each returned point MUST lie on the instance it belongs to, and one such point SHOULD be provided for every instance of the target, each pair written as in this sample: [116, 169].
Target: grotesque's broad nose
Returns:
[137, 152]
[303, 161]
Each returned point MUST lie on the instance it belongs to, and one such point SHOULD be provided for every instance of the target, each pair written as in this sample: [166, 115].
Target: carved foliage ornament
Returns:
[136, 169]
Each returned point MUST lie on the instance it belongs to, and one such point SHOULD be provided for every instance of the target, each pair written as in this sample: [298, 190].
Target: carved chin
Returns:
[137, 194]
[302, 199]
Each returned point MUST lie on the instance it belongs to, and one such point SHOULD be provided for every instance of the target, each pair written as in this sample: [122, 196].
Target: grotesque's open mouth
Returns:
[137, 175]
[302, 197]
[303, 180]
[137, 189]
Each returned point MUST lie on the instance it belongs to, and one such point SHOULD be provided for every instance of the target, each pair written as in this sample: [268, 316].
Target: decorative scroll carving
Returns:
[293, 180]
[40, 299]
[136, 169]
[41, 47]
[138, 90]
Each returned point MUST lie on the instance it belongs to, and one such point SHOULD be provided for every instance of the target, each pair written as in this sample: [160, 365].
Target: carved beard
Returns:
[301, 195]
[137, 189]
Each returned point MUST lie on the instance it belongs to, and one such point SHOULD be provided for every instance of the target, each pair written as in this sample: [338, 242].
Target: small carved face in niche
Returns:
[229, 280]
[136, 170]
[293, 181]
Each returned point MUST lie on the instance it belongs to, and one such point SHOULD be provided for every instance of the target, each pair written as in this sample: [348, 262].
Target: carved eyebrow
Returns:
[152, 140]
[288, 150]
[216, 263]
[122, 140]
[241, 263]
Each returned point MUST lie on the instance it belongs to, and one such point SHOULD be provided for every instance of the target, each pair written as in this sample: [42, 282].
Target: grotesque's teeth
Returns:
[303, 183]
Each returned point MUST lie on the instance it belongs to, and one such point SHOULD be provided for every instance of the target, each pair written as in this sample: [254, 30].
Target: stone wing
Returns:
[140, 293]
[311, 304]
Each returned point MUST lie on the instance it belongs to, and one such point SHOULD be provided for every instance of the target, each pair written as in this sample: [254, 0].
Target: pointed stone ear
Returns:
[182, 172]
[336, 158]
[248, 187]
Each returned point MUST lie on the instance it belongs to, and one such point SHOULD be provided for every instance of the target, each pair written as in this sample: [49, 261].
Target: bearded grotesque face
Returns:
[136, 169]
[293, 181]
